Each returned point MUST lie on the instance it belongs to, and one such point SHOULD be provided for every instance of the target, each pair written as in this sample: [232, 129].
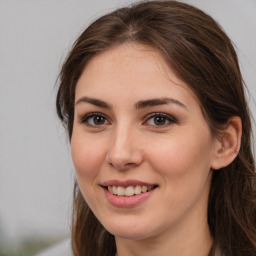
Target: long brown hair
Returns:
[200, 53]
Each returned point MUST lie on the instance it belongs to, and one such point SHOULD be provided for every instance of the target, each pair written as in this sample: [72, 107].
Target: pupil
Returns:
[159, 120]
[99, 120]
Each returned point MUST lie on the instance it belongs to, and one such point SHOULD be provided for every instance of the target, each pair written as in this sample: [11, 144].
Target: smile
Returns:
[129, 191]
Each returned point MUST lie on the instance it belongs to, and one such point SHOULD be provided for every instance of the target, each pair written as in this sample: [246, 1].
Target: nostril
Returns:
[129, 164]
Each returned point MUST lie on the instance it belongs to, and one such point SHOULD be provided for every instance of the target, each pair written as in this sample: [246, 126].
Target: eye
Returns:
[160, 119]
[94, 119]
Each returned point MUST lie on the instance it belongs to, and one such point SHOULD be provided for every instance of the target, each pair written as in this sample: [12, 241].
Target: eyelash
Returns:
[166, 118]
[85, 119]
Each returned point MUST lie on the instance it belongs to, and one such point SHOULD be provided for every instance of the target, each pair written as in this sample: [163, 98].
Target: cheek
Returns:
[184, 165]
[87, 157]
[182, 156]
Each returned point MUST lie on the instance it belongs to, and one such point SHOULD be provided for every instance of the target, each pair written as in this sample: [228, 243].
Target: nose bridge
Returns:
[121, 136]
[124, 150]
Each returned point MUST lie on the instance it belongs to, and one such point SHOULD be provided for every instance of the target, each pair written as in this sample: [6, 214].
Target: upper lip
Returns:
[125, 183]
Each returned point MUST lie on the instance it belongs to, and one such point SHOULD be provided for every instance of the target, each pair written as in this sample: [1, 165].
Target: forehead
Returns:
[130, 68]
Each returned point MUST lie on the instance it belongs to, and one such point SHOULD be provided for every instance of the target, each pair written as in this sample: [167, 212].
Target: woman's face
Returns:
[139, 133]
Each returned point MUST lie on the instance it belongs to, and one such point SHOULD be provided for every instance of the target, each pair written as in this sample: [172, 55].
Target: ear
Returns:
[227, 146]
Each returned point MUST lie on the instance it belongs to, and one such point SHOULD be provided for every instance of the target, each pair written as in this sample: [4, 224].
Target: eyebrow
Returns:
[139, 105]
[96, 102]
[156, 102]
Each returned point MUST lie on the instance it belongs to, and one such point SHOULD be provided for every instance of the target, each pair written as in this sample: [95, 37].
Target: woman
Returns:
[153, 101]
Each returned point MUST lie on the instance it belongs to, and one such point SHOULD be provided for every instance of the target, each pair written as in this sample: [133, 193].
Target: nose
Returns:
[124, 151]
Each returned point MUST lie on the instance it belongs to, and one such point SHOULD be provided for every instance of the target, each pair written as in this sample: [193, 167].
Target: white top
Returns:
[61, 249]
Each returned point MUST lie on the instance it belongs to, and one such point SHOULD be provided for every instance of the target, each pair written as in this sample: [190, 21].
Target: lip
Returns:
[126, 183]
[127, 201]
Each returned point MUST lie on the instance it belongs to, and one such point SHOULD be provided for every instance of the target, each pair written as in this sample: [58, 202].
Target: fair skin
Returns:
[135, 120]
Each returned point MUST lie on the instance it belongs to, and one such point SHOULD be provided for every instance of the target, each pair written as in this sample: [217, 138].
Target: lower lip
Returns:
[128, 201]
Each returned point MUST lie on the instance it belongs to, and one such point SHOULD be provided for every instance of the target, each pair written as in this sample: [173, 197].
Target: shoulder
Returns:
[61, 249]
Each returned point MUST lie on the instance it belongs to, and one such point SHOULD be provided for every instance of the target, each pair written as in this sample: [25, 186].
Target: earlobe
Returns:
[227, 147]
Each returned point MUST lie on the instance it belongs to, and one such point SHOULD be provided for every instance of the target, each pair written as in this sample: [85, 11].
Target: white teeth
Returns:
[113, 190]
[129, 191]
[120, 191]
[144, 189]
[137, 190]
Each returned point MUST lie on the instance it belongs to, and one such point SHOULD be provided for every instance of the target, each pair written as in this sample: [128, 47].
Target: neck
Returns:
[189, 238]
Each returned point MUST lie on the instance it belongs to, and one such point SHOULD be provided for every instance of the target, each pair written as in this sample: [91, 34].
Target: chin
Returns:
[130, 235]
[129, 230]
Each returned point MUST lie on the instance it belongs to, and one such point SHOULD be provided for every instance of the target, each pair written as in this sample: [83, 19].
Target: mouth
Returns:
[129, 191]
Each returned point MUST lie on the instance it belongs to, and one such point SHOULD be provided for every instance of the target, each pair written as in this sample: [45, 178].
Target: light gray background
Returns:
[36, 172]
